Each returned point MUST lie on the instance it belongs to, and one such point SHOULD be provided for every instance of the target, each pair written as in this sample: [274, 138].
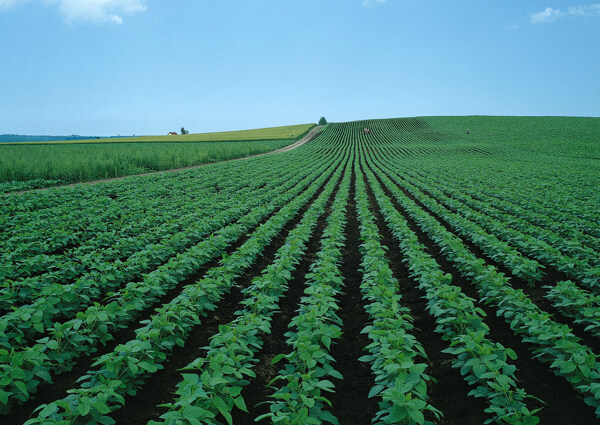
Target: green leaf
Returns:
[49, 410]
[531, 420]
[398, 413]
[21, 386]
[240, 403]
[44, 375]
[101, 407]
[325, 385]
[511, 353]
[479, 369]
[194, 412]
[328, 416]
[83, 408]
[17, 373]
[568, 367]
[223, 409]
[416, 415]
[106, 420]
[4, 397]
[277, 358]
[216, 380]
[376, 390]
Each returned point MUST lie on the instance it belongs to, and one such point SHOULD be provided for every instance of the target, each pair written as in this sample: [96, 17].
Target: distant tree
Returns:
[322, 121]
[184, 131]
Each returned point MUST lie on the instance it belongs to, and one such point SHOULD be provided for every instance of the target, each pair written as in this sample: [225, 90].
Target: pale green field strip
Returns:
[269, 133]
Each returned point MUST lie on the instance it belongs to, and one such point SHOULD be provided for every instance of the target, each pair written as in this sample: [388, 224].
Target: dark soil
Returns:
[58, 389]
[257, 392]
[159, 388]
[535, 292]
[357, 377]
[449, 391]
[562, 403]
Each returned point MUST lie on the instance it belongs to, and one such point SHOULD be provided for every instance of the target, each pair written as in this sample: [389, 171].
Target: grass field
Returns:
[258, 134]
[31, 165]
[416, 274]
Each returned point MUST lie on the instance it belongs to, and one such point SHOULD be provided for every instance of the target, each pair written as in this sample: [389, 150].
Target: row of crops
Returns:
[25, 166]
[366, 277]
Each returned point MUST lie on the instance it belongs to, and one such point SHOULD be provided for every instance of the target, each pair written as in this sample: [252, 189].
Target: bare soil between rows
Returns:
[448, 391]
[49, 392]
[159, 388]
[561, 404]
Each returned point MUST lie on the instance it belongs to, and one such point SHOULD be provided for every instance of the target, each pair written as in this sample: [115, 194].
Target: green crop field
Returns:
[31, 165]
[269, 133]
[397, 271]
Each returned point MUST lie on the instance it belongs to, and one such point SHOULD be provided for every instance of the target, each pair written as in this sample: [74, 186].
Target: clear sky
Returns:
[108, 67]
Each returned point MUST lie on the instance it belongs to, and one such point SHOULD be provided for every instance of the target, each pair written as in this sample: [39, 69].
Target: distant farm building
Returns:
[172, 133]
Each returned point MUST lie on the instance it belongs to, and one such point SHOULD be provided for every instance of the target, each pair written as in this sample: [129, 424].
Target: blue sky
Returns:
[107, 67]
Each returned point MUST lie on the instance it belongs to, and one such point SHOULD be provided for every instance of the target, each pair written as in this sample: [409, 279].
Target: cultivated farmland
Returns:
[400, 271]
[29, 165]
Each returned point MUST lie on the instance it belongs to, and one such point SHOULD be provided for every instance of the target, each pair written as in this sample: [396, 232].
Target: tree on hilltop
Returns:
[322, 121]
[184, 131]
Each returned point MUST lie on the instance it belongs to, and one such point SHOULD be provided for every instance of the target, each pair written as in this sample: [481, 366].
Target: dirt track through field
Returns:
[311, 135]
